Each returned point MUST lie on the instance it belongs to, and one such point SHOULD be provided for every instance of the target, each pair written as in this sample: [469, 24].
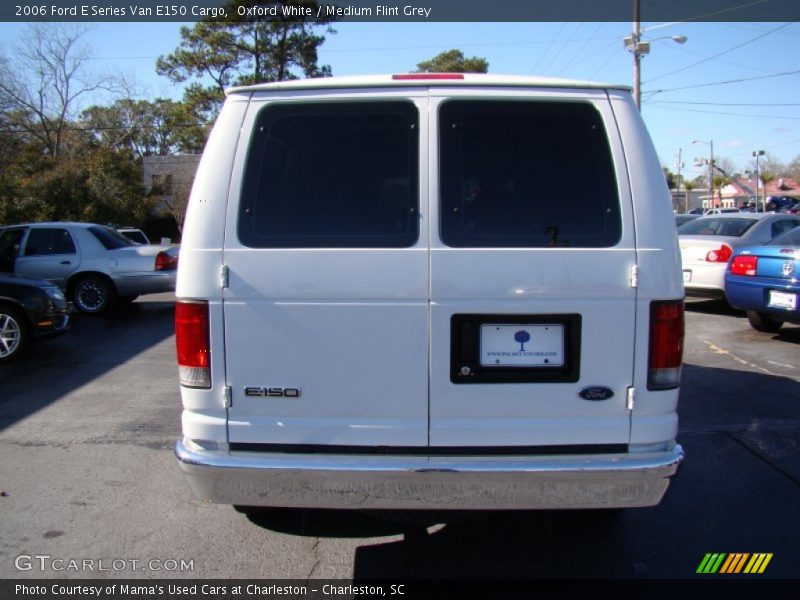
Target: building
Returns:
[169, 179]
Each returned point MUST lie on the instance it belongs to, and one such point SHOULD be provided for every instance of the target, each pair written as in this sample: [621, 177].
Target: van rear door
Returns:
[532, 258]
[326, 308]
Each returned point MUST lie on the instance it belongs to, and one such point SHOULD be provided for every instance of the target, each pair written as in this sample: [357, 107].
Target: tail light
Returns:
[192, 340]
[666, 345]
[166, 262]
[720, 255]
[744, 265]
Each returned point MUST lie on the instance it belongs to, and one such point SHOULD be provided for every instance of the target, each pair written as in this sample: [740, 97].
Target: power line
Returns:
[716, 112]
[743, 79]
[758, 37]
[759, 104]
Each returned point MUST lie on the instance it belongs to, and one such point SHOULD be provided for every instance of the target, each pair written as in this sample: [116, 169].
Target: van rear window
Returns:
[526, 174]
[332, 175]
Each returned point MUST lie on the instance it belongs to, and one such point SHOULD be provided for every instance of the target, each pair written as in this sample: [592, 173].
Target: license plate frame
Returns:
[466, 366]
[782, 300]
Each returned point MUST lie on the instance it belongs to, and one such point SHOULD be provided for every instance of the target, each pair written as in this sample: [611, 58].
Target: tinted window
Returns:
[790, 239]
[727, 226]
[9, 245]
[332, 175]
[49, 241]
[110, 238]
[779, 227]
[525, 174]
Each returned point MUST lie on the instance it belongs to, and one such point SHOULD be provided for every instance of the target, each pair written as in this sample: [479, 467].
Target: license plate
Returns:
[782, 300]
[505, 345]
[687, 277]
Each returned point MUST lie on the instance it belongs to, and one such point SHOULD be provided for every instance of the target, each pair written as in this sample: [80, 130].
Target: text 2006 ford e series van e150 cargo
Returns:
[429, 291]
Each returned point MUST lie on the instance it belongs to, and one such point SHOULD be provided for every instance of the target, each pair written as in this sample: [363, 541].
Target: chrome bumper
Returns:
[403, 482]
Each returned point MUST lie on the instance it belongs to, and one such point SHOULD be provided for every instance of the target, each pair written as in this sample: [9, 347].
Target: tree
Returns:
[453, 61]
[522, 337]
[793, 169]
[146, 128]
[244, 50]
[43, 87]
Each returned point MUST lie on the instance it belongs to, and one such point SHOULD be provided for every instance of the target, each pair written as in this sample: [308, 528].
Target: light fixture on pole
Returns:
[640, 48]
[710, 144]
[758, 153]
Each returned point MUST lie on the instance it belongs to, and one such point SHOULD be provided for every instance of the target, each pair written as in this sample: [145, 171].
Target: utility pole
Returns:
[637, 57]
[686, 197]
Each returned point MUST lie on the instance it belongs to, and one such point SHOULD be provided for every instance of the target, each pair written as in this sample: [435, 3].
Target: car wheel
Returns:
[13, 333]
[762, 322]
[92, 295]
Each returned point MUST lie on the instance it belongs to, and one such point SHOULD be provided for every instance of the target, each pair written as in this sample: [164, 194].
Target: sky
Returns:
[683, 97]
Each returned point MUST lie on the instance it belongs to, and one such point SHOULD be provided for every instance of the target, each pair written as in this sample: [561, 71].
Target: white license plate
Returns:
[522, 345]
[687, 277]
[782, 300]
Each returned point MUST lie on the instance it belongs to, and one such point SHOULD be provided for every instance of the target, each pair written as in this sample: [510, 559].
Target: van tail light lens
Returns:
[720, 255]
[666, 345]
[165, 262]
[192, 340]
[744, 265]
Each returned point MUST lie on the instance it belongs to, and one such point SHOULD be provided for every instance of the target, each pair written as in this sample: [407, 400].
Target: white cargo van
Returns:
[429, 292]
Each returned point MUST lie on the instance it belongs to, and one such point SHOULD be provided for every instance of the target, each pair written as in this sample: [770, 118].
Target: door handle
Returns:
[65, 262]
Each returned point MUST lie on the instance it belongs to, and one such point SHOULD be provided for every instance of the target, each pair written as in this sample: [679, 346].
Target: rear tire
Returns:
[13, 333]
[93, 295]
[763, 322]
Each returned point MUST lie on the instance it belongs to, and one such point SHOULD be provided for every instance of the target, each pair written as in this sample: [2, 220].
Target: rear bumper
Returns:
[744, 293]
[421, 482]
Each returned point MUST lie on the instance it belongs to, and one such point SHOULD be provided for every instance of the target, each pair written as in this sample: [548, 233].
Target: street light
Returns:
[758, 153]
[710, 144]
[639, 48]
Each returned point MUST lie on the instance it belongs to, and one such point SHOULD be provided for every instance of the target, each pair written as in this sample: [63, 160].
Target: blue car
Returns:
[765, 281]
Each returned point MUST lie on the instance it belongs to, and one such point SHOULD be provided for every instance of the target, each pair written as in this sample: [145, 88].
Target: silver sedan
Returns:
[95, 265]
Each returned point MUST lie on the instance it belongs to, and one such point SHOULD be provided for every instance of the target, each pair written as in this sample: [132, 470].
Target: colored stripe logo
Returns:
[734, 563]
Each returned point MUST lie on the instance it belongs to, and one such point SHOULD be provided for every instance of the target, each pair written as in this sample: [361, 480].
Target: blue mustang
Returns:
[765, 281]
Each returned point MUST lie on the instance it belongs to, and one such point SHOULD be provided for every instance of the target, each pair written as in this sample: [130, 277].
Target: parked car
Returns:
[94, 265]
[350, 340]
[778, 203]
[765, 282]
[134, 234]
[680, 219]
[721, 211]
[708, 243]
[30, 309]
[793, 209]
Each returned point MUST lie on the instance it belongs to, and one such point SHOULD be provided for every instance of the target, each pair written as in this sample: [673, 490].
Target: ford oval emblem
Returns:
[596, 393]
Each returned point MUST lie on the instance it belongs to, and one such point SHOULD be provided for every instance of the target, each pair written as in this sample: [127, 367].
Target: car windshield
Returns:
[790, 239]
[110, 238]
[723, 226]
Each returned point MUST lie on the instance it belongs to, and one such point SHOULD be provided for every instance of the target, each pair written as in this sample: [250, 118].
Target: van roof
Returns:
[423, 80]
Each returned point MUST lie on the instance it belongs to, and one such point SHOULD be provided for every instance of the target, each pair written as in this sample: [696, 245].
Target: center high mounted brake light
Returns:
[427, 76]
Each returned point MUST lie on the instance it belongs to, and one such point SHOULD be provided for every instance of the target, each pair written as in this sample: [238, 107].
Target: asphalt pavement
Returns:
[88, 422]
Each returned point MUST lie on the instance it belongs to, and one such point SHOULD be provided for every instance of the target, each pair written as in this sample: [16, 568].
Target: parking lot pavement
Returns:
[88, 420]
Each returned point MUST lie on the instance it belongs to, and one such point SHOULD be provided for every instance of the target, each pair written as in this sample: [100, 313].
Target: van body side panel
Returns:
[204, 413]
[328, 345]
[592, 284]
[654, 417]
